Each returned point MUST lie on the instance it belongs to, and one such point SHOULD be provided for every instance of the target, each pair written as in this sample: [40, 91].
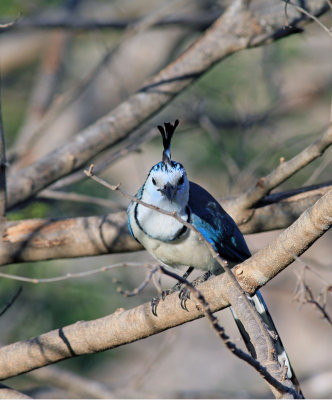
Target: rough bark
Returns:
[44, 239]
[126, 326]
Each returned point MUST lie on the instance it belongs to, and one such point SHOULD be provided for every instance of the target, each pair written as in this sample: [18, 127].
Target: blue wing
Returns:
[222, 232]
[216, 225]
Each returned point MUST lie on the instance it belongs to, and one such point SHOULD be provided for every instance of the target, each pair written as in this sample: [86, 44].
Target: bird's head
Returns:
[167, 180]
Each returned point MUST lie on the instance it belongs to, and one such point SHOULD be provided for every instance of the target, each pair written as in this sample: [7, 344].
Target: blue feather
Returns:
[217, 227]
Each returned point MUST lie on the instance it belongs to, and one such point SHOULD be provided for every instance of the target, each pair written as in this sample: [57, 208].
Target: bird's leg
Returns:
[155, 301]
[178, 285]
[184, 293]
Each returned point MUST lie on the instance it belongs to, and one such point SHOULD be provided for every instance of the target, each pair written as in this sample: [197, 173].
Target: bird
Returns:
[171, 243]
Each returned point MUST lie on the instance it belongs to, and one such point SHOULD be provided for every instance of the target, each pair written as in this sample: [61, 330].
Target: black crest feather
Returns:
[167, 133]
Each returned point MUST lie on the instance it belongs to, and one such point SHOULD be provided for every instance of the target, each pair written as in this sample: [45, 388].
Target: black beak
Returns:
[169, 191]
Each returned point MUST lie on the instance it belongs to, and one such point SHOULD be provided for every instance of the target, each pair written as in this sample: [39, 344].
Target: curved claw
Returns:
[164, 294]
[154, 304]
[184, 295]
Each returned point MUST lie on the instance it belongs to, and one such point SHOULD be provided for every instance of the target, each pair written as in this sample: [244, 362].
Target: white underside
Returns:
[188, 250]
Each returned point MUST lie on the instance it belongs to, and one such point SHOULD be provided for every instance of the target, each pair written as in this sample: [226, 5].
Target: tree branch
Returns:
[122, 327]
[265, 364]
[198, 21]
[238, 27]
[44, 239]
[284, 171]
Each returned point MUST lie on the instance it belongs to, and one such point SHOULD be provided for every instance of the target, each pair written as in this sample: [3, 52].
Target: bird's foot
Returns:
[177, 287]
[154, 304]
[184, 292]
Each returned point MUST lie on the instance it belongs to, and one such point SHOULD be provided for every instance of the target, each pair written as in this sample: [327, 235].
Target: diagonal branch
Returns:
[278, 388]
[122, 327]
[284, 171]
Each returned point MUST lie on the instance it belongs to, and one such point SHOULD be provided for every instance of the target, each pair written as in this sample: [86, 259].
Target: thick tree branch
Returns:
[43, 239]
[266, 363]
[238, 28]
[124, 327]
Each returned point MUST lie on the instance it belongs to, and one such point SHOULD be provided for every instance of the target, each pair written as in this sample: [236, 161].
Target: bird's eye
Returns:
[154, 181]
[181, 180]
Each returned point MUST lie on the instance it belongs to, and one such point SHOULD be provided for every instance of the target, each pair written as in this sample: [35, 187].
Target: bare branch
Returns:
[43, 239]
[32, 135]
[11, 301]
[124, 327]
[74, 275]
[308, 14]
[304, 294]
[199, 21]
[276, 211]
[239, 29]
[285, 170]
[264, 365]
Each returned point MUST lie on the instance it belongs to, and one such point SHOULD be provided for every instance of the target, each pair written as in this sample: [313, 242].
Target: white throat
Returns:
[157, 225]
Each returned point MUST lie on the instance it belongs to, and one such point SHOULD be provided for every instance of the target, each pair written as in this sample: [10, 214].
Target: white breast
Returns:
[188, 250]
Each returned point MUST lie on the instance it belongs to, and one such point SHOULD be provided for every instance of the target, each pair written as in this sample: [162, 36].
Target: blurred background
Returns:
[236, 123]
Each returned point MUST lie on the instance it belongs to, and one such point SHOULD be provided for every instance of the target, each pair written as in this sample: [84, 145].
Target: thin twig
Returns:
[7, 25]
[308, 14]
[3, 185]
[141, 287]
[73, 275]
[11, 301]
[304, 294]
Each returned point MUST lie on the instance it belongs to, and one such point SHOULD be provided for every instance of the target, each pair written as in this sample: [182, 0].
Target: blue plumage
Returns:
[216, 225]
[171, 243]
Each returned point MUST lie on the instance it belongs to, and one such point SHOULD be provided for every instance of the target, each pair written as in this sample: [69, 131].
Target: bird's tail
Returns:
[281, 352]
